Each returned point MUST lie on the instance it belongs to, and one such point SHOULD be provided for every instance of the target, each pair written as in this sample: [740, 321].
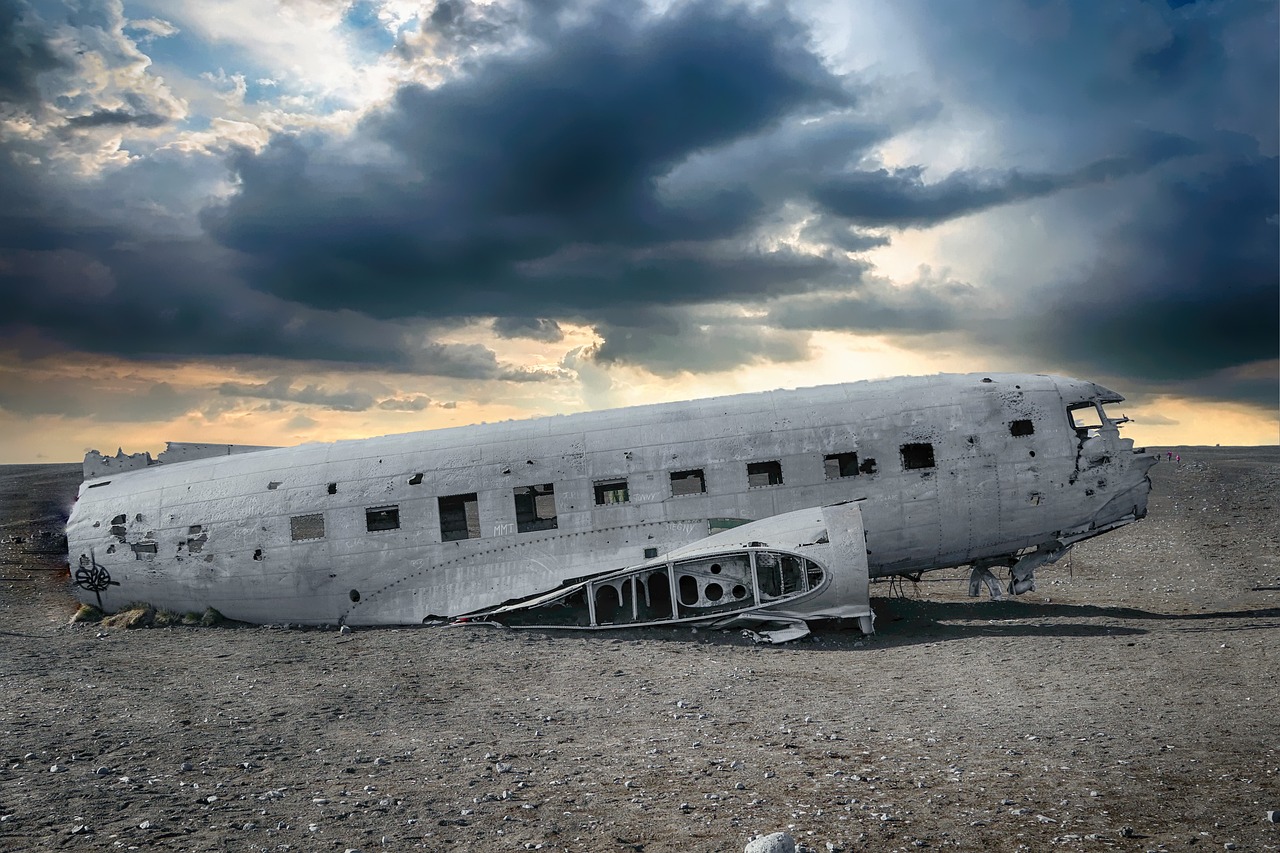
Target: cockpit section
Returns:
[1108, 469]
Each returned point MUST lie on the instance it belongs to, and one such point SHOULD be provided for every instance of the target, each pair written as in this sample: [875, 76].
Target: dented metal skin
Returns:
[996, 471]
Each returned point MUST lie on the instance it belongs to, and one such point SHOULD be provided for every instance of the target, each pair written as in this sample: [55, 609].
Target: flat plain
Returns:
[1129, 703]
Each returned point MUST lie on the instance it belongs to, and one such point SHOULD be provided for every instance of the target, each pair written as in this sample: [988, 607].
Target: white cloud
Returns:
[152, 28]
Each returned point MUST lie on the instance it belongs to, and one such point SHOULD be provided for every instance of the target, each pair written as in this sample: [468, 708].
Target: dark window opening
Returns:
[917, 455]
[273, 485]
[840, 465]
[612, 492]
[650, 553]
[868, 466]
[1022, 427]
[535, 508]
[195, 544]
[99, 485]
[688, 482]
[764, 474]
[306, 527]
[144, 548]
[257, 554]
[333, 488]
[459, 517]
[119, 519]
[354, 595]
[382, 518]
[415, 480]
[688, 590]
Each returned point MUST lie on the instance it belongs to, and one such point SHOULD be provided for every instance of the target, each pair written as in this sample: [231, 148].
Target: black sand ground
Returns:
[1131, 703]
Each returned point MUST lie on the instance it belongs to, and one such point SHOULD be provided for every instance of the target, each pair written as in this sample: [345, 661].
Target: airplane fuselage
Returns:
[948, 470]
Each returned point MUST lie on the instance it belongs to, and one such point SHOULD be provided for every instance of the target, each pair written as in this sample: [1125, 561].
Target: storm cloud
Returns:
[703, 185]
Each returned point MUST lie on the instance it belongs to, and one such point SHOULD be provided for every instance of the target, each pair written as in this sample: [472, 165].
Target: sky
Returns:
[279, 221]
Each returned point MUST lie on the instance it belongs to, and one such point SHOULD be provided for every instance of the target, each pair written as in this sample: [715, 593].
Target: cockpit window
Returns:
[1085, 416]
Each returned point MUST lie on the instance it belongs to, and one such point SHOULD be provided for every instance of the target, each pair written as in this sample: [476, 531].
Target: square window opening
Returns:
[839, 465]
[1021, 427]
[535, 507]
[382, 518]
[303, 527]
[612, 492]
[459, 517]
[764, 474]
[688, 482]
[917, 455]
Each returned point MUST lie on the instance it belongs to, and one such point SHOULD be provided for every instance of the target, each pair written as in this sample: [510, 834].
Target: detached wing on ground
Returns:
[806, 564]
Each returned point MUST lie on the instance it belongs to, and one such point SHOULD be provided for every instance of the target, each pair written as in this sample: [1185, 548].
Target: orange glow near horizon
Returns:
[191, 406]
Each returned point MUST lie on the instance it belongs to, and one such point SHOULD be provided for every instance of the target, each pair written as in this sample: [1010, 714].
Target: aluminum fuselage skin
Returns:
[221, 532]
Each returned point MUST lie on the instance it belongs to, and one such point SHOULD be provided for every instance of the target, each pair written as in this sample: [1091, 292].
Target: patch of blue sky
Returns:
[194, 57]
[363, 29]
[196, 122]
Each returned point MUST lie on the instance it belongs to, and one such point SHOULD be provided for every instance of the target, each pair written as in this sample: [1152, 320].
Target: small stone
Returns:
[1273, 816]
[1127, 832]
[380, 761]
[739, 786]
[79, 829]
[146, 824]
[102, 771]
[778, 842]
[186, 765]
[501, 767]
[57, 768]
[344, 630]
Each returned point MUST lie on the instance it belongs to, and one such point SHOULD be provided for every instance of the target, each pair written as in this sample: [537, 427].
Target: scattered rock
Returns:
[778, 842]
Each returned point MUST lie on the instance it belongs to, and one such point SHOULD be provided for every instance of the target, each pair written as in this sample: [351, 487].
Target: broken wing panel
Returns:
[811, 563]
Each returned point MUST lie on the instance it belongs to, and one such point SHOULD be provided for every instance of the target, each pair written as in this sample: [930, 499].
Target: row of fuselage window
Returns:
[535, 506]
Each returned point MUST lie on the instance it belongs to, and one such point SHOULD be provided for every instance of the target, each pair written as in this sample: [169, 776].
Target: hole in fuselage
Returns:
[688, 590]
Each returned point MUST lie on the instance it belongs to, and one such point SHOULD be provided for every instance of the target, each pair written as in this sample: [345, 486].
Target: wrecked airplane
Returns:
[761, 509]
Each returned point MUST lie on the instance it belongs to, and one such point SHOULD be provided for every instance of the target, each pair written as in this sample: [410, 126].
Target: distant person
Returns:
[1178, 458]
[1168, 454]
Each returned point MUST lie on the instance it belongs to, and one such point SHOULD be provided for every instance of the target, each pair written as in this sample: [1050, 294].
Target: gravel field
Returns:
[1130, 703]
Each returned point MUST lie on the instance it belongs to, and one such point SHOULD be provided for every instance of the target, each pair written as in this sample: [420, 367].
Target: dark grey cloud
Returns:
[416, 403]
[116, 118]
[1186, 290]
[533, 328]
[932, 303]
[531, 181]
[902, 198]
[25, 53]
[281, 389]
[638, 170]
[671, 341]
